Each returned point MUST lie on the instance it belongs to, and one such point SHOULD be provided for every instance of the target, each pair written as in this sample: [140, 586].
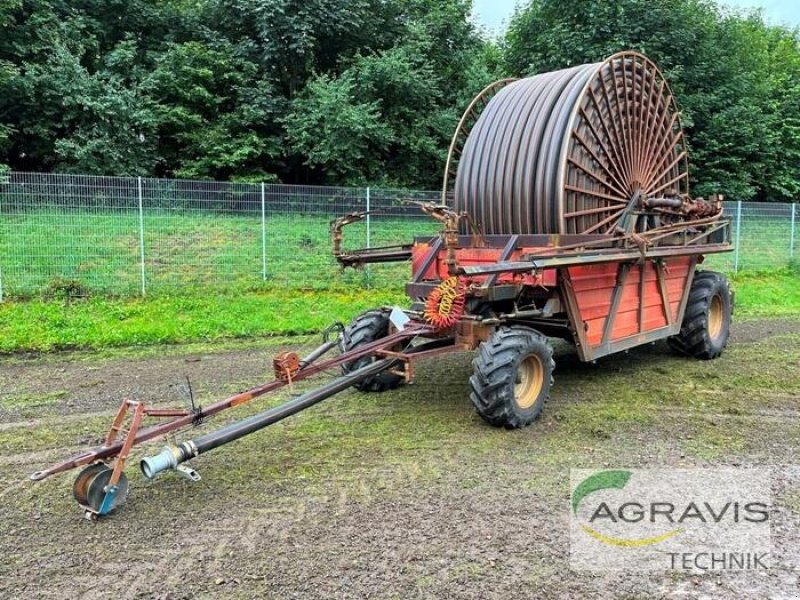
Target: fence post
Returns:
[369, 224]
[791, 240]
[738, 235]
[141, 235]
[263, 232]
[1, 266]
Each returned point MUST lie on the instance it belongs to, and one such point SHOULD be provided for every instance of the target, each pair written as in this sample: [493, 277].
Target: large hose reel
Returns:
[569, 152]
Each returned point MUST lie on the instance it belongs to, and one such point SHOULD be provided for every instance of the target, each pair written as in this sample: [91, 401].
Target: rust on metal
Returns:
[286, 366]
[469, 333]
[112, 450]
[572, 216]
[565, 152]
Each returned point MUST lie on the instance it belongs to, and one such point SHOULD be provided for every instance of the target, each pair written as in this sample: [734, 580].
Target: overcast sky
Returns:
[494, 13]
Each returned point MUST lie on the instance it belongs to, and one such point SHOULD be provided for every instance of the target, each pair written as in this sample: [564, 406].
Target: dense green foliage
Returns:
[331, 91]
[736, 79]
[297, 90]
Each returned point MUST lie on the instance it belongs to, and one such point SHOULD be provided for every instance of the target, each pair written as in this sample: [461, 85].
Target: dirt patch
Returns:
[398, 495]
[755, 330]
[52, 383]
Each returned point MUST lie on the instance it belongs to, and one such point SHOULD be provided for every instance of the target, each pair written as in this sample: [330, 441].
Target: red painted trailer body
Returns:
[608, 298]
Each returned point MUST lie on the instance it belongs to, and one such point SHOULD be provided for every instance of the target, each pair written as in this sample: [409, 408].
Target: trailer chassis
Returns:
[539, 282]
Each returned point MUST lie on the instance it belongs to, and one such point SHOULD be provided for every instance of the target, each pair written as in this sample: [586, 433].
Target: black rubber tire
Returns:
[695, 339]
[365, 328]
[495, 375]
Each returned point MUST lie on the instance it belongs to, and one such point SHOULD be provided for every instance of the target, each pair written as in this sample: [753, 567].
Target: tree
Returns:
[363, 89]
[415, 90]
[215, 117]
[338, 133]
[734, 95]
[782, 172]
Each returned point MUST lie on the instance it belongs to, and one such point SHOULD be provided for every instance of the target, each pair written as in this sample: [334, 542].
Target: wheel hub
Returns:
[530, 379]
[715, 317]
[93, 492]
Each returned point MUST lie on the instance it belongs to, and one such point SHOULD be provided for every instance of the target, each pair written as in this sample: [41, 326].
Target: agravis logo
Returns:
[612, 480]
[695, 517]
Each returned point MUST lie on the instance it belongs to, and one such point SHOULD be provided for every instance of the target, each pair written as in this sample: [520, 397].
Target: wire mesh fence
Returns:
[764, 236]
[80, 235]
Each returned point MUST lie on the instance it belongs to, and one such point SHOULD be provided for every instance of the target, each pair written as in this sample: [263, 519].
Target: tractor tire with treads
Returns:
[368, 327]
[512, 375]
[706, 323]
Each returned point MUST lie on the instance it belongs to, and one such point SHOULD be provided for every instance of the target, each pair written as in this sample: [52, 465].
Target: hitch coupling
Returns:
[169, 458]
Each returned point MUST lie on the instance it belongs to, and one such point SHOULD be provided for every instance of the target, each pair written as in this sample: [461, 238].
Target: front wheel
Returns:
[512, 376]
[364, 329]
[706, 324]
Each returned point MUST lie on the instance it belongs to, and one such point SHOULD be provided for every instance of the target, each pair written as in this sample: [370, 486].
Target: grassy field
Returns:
[73, 277]
[56, 252]
[83, 253]
[95, 323]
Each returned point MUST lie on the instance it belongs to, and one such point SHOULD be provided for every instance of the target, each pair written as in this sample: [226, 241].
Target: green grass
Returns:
[205, 282]
[763, 245]
[42, 325]
[768, 294]
[56, 252]
[96, 323]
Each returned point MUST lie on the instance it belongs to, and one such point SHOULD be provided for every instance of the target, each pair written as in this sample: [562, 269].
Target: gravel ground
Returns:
[399, 495]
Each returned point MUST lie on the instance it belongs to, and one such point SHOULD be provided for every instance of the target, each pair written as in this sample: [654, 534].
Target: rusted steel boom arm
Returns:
[155, 431]
[361, 256]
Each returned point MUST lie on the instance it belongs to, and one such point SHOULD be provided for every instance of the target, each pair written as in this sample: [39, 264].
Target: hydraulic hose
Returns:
[171, 456]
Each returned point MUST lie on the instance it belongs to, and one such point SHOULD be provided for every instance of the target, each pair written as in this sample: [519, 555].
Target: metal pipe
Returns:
[366, 255]
[263, 232]
[318, 352]
[171, 456]
[141, 235]
[663, 202]
[149, 433]
[738, 236]
[369, 221]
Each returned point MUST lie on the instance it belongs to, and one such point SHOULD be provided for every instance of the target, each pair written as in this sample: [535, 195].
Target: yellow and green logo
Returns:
[605, 480]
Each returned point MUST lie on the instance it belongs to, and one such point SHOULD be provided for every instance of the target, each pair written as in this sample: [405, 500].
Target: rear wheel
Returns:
[706, 324]
[513, 372]
[364, 329]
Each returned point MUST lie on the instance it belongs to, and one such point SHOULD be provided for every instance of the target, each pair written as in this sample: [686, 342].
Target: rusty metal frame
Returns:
[504, 256]
[537, 263]
[622, 275]
[130, 436]
[429, 259]
[577, 326]
[642, 273]
[138, 435]
[662, 288]
[685, 299]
